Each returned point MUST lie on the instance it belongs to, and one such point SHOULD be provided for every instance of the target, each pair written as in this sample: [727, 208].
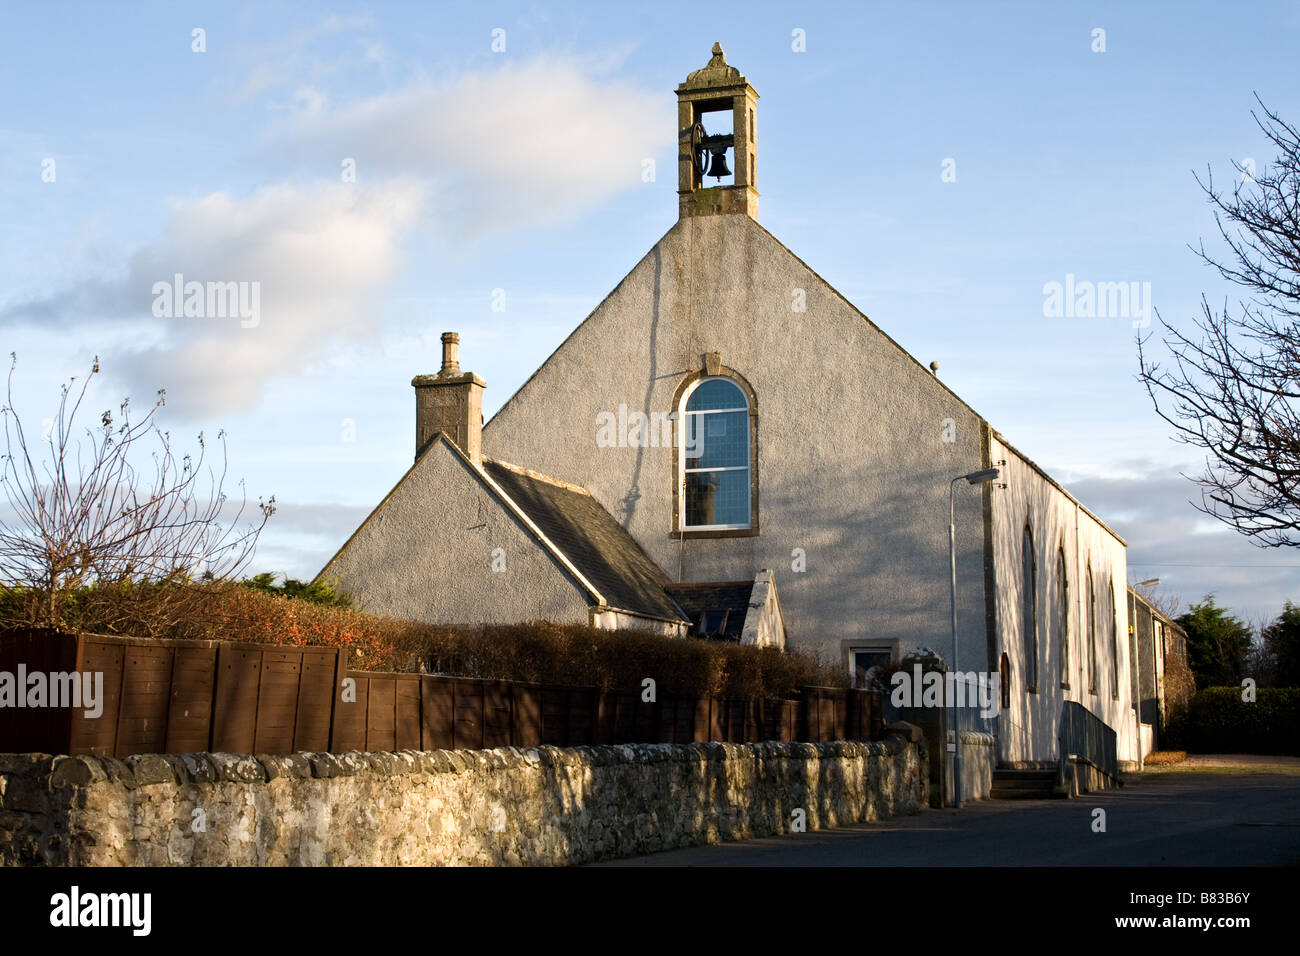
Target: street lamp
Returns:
[974, 478]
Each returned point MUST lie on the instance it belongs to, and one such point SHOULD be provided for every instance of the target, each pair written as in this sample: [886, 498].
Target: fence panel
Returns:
[381, 713]
[348, 731]
[555, 716]
[468, 715]
[526, 715]
[38, 729]
[316, 694]
[407, 712]
[189, 712]
[582, 716]
[98, 735]
[277, 701]
[437, 714]
[234, 719]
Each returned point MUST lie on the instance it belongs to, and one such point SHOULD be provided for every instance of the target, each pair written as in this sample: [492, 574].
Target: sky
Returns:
[372, 175]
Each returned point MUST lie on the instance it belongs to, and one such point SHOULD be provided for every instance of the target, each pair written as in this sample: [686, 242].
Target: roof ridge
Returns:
[520, 470]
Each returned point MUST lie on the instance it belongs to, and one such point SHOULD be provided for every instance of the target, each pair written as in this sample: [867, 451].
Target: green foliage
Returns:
[313, 592]
[1281, 645]
[1217, 720]
[1217, 644]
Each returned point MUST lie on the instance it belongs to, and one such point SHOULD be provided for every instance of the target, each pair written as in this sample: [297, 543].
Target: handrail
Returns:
[1084, 734]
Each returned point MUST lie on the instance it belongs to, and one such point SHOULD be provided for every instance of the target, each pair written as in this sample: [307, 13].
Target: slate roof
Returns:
[588, 536]
[732, 596]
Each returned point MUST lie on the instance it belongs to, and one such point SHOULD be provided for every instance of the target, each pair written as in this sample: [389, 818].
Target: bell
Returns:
[718, 164]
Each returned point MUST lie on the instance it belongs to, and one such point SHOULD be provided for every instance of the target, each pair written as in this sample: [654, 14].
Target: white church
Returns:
[727, 447]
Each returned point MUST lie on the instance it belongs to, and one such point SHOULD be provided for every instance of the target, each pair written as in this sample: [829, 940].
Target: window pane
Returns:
[717, 497]
[716, 393]
[717, 440]
[864, 661]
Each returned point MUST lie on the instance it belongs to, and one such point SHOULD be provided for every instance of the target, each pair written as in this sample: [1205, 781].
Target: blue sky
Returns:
[521, 170]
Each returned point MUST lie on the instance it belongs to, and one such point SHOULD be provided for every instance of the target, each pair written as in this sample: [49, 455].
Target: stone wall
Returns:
[540, 806]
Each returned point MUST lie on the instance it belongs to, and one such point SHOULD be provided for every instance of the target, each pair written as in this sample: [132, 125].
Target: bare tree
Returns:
[1232, 387]
[1166, 602]
[83, 520]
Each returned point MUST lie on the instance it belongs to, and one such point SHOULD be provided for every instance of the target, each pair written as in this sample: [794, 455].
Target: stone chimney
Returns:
[450, 402]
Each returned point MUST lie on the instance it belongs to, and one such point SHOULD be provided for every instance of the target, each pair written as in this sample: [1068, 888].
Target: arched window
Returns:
[1092, 635]
[715, 470]
[1063, 616]
[1004, 678]
[1029, 609]
[1114, 617]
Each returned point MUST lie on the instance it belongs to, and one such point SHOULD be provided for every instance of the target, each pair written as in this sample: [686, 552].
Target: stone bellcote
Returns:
[450, 402]
[715, 94]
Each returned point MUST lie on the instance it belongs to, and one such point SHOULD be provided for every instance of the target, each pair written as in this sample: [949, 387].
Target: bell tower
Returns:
[712, 93]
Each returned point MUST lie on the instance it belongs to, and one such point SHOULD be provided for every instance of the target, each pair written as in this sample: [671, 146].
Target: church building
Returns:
[727, 447]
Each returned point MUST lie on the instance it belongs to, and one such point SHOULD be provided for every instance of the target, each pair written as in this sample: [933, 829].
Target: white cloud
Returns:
[514, 145]
[539, 141]
[320, 255]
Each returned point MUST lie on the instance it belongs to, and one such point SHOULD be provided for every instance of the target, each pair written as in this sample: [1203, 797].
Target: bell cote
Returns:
[716, 167]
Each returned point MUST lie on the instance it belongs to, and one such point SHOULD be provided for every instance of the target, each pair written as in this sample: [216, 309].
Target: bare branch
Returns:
[84, 519]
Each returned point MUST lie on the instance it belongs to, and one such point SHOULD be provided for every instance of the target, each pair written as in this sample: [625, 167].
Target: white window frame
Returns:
[683, 471]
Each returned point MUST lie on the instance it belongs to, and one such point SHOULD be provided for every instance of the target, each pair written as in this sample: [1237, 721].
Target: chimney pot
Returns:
[450, 356]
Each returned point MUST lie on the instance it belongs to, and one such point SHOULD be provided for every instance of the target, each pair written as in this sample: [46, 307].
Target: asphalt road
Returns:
[1169, 819]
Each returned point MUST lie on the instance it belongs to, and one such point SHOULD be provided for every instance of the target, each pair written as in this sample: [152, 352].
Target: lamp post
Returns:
[974, 478]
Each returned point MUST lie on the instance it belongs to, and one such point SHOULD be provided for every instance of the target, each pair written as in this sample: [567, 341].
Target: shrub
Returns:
[541, 652]
[1217, 720]
[313, 592]
[1162, 758]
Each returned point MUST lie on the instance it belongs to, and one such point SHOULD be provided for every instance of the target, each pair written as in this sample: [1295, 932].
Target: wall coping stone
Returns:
[25, 763]
[144, 770]
[199, 768]
[74, 771]
[238, 768]
[150, 770]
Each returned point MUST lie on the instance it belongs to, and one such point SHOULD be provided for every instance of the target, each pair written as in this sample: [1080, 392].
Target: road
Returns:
[1178, 818]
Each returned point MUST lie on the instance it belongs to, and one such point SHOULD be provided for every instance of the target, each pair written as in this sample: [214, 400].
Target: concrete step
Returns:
[996, 794]
[1023, 774]
[1023, 784]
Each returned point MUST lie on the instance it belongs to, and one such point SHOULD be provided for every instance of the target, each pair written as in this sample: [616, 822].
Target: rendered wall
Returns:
[853, 465]
[1027, 729]
[428, 551]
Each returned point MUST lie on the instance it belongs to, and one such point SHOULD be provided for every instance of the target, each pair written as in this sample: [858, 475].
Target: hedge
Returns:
[540, 651]
[1217, 720]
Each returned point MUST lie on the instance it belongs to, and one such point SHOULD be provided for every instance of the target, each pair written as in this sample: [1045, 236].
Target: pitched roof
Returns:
[715, 598]
[597, 545]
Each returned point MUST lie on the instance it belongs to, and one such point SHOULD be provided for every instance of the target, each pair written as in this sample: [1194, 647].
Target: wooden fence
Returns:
[164, 696]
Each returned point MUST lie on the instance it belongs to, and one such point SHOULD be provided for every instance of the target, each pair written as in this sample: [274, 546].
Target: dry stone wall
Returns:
[538, 806]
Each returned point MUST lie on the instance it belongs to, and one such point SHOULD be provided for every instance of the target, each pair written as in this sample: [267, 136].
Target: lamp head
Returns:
[980, 477]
